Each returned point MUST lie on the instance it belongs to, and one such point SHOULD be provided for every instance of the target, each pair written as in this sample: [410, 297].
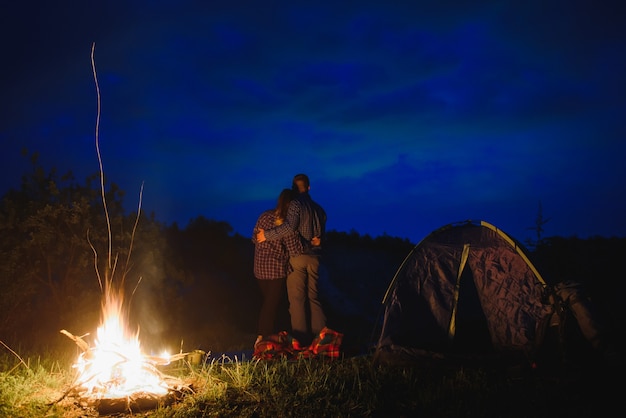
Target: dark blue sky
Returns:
[406, 116]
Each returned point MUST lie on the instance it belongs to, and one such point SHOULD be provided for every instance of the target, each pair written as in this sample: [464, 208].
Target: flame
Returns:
[115, 366]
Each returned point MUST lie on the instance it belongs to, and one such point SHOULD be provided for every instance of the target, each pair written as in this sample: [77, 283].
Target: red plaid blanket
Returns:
[283, 345]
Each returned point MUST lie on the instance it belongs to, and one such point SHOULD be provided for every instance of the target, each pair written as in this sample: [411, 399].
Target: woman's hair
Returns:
[284, 198]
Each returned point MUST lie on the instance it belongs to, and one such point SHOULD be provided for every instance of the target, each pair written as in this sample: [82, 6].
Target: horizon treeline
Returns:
[192, 287]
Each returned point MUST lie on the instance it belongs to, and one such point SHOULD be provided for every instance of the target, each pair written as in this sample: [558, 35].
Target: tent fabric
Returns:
[576, 316]
[465, 287]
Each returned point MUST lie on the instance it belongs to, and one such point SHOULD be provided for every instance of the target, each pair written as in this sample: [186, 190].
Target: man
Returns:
[308, 219]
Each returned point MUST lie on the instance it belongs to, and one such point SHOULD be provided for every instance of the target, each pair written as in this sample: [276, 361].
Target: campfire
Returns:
[114, 375]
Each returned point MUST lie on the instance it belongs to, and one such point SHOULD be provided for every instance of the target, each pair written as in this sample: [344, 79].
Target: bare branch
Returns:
[104, 202]
[16, 355]
[132, 237]
[95, 261]
[78, 340]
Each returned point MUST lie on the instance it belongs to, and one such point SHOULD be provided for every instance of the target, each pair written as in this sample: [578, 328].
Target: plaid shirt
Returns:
[271, 258]
[305, 217]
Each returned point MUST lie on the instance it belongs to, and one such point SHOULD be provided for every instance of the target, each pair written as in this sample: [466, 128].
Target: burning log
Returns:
[135, 404]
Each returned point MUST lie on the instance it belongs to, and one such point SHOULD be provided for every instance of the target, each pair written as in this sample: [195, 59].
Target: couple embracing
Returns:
[288, 243]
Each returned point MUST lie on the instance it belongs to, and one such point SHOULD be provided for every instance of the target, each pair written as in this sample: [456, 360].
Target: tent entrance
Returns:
[471, 333]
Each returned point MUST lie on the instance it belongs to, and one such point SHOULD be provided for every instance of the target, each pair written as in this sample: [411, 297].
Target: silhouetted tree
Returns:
[45, 256]
[55, 244]
[540, 221]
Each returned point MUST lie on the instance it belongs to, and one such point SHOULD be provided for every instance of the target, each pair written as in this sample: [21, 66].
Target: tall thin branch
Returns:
[104, 202]
[95, 261]
[132, 237]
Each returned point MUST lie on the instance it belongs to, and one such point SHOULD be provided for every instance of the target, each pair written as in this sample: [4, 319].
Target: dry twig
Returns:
[16, 355]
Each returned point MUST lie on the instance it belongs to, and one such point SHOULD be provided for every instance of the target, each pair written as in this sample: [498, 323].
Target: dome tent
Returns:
[467, 290]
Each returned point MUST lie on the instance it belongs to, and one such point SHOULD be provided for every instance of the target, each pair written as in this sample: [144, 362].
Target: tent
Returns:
[468, 289]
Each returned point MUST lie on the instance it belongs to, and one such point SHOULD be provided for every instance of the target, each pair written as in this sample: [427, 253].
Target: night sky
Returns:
[406, 115]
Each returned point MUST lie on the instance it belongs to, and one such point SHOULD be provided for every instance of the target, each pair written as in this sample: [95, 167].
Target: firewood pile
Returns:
[112, 380]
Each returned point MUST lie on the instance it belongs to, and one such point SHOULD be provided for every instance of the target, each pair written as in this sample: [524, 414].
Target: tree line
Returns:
[192, 287]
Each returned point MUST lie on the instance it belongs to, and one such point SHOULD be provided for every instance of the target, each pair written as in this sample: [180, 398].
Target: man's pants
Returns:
[302, 294]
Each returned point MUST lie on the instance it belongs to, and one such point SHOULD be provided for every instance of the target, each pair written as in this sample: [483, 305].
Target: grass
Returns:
[346, 387]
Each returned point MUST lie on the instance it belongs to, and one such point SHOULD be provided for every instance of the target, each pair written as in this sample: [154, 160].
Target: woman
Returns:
[271, 263]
